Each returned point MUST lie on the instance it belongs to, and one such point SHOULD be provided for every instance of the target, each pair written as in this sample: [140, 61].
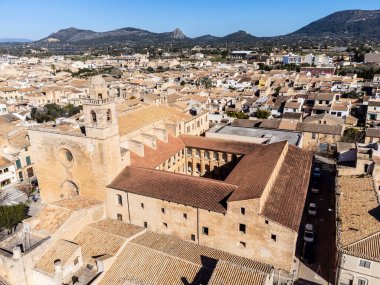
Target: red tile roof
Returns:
[187, 190]
[227, 146]
[154, 157]
[286, 200]
[247, 180]
[254, 170]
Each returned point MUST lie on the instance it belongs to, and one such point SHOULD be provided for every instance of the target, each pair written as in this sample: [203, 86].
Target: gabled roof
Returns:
[286, 200]
[368, 248]
[372, 132]
[187, 190]
[234, 147]
[154, 157]
[248, 179]
[253, 172]
[159, 259]
[318, 128]
[323, 117]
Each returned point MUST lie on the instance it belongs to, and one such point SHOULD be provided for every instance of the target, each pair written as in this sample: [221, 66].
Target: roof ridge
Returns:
[361, 240]
[183, 175]
[164, 253]
[243, 267]
[90, 226]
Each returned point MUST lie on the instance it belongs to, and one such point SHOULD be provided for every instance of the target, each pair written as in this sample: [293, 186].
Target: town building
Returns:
[358, 231]
[216, 193]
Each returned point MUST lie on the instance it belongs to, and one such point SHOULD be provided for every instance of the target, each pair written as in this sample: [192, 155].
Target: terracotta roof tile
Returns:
[187, 190]
[368, 248]
[253, 172]
[219, 144]
[286, 199]
[154, 157]
[318, 128]
[372, 132]
[168, 260]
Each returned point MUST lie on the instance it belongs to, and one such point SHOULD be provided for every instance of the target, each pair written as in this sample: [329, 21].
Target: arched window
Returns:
[69, 189]
[109, 115]
[93, 115]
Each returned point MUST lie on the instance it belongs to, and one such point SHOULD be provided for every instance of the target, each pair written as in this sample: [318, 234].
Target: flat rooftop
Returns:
[257, 135]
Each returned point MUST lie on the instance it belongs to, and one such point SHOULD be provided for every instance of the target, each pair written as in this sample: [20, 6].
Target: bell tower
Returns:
[99, 111]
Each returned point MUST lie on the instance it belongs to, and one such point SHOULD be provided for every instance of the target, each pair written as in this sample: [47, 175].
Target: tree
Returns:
[262, 114]
[224, 53]
[238, 115]
[33, 113]
[353, 135]
[50, 112]
[71, 110]
[11, 216]
[54, 68]
[206, 81]
[150, 69]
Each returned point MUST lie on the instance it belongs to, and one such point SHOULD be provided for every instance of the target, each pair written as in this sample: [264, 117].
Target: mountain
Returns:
[345, 24]
[342, 27]
[14, 40]
[124, 35]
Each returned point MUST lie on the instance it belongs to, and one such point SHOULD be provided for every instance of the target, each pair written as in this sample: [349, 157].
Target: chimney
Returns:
[16, 252]
[58, 271]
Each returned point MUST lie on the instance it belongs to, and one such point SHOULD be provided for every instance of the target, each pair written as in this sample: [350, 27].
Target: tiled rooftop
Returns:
[157, 259]
[359, 209]
[62, 250]
[198, 192]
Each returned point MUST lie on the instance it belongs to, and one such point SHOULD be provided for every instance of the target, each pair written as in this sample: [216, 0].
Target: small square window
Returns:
[119, 217]
[242, 211]
[193, 237]
[242, 228]
[273, 237]
[242, 244]
[365, 263]
[76, 260]
[145, 224]
[205, 231]
[163, 210]
[266, 222]
[165, 225]
[185, 216]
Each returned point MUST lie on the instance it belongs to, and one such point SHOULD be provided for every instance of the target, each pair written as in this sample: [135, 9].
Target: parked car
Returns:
[317, 172]
[312, 210]
[307, 253]
[34, 183]
[315, 186]
[308, 235]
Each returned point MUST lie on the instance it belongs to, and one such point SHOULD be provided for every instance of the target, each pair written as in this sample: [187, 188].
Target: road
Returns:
[322, 270]
[13, 196]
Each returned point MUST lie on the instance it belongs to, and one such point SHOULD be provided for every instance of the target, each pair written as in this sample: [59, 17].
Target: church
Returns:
[150, 172]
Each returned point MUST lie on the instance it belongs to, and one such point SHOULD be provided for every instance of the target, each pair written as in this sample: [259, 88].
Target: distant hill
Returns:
[338, 28]
[124, 35]
[14, 40]
[345, 24]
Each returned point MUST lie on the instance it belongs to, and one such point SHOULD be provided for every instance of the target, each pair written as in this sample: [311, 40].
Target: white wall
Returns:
[350, 270]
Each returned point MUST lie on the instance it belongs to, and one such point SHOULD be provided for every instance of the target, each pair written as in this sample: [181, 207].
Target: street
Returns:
[321, 270]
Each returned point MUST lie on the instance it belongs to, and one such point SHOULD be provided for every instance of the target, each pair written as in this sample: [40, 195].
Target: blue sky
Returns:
[35, 19]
